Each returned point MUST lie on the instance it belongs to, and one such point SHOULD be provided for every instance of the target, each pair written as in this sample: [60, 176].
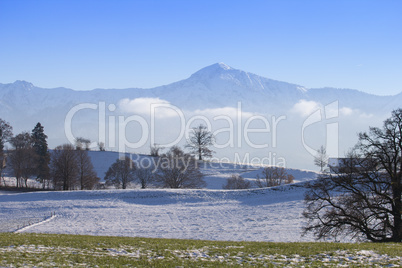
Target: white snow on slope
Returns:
[215, 173]
[270, 214]
[251, 215]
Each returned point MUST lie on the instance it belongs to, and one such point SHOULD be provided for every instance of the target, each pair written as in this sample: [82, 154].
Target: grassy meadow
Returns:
[46, 250]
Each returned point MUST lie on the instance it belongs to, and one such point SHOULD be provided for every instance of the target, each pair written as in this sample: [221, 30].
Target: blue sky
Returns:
[120, 44]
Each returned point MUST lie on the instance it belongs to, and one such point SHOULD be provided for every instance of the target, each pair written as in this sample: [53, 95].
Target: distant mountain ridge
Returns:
[215, 86]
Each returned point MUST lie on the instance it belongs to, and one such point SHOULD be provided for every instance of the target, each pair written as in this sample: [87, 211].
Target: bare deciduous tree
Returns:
[363, 199]
[80, 142]
[144, 176]
[177, 169]
[3, 164]
[3, 161]
[201, 138]
[155, 150]
[321, 159]
[236, 182]
[121, 173]
[6, 132]
[22, 158]
[86, 173]
[273, 176]
[64, 167]
[101, 146]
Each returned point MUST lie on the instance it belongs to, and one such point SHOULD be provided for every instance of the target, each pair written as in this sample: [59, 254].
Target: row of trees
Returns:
[69, 167]
[65, 168]
[174, 169]
[270, 176]
[198, 143]
[29, 155]
[72, 169]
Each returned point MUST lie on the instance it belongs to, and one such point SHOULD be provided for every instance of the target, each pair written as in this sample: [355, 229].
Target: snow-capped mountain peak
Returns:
[214, 86]
[213, 70]
[224, 66]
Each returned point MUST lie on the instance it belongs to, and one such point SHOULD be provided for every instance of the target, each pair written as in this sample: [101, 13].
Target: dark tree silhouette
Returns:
[321, 159]
[363, 199]
[64, 167]
[145, 176]
[155, 150]
[87, 176]
[22, 158]
[6, 132]
[201, 138]
[236, 182]
[273, 176]
[80, 142]
[177, 169]
[121, 173]
[101, 146]
[39, 140]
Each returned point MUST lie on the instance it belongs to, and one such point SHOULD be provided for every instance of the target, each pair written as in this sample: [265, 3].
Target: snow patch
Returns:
[224, 66]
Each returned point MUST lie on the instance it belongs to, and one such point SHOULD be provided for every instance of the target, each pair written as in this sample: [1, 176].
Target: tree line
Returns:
[69, 167]
[174, 169]
[65, 168]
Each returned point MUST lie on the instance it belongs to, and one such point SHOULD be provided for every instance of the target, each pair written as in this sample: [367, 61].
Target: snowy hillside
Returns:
[215, 173]
[242, 215]
[269, 214]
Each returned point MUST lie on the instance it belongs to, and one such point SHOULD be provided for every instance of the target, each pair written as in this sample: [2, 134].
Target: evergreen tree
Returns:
[39, 139]
[6, 132]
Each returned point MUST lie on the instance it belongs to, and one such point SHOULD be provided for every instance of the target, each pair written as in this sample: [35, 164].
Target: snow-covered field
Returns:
[271, 214]
[254, 215]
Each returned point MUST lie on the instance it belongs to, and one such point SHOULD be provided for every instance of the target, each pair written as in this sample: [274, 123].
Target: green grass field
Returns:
[44, 250]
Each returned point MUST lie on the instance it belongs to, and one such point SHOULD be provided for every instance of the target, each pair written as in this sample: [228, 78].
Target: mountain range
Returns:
[217, 85]
[214, 87]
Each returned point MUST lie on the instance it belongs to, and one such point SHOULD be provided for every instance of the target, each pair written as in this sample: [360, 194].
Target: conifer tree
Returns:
[39, 139]
[6, 132]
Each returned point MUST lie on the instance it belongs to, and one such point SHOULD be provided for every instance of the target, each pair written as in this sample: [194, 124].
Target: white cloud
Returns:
[305, 108]
[144, 106]
[346, 111]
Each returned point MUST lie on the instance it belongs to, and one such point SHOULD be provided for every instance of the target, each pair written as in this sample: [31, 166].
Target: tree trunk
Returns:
[397, 232]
